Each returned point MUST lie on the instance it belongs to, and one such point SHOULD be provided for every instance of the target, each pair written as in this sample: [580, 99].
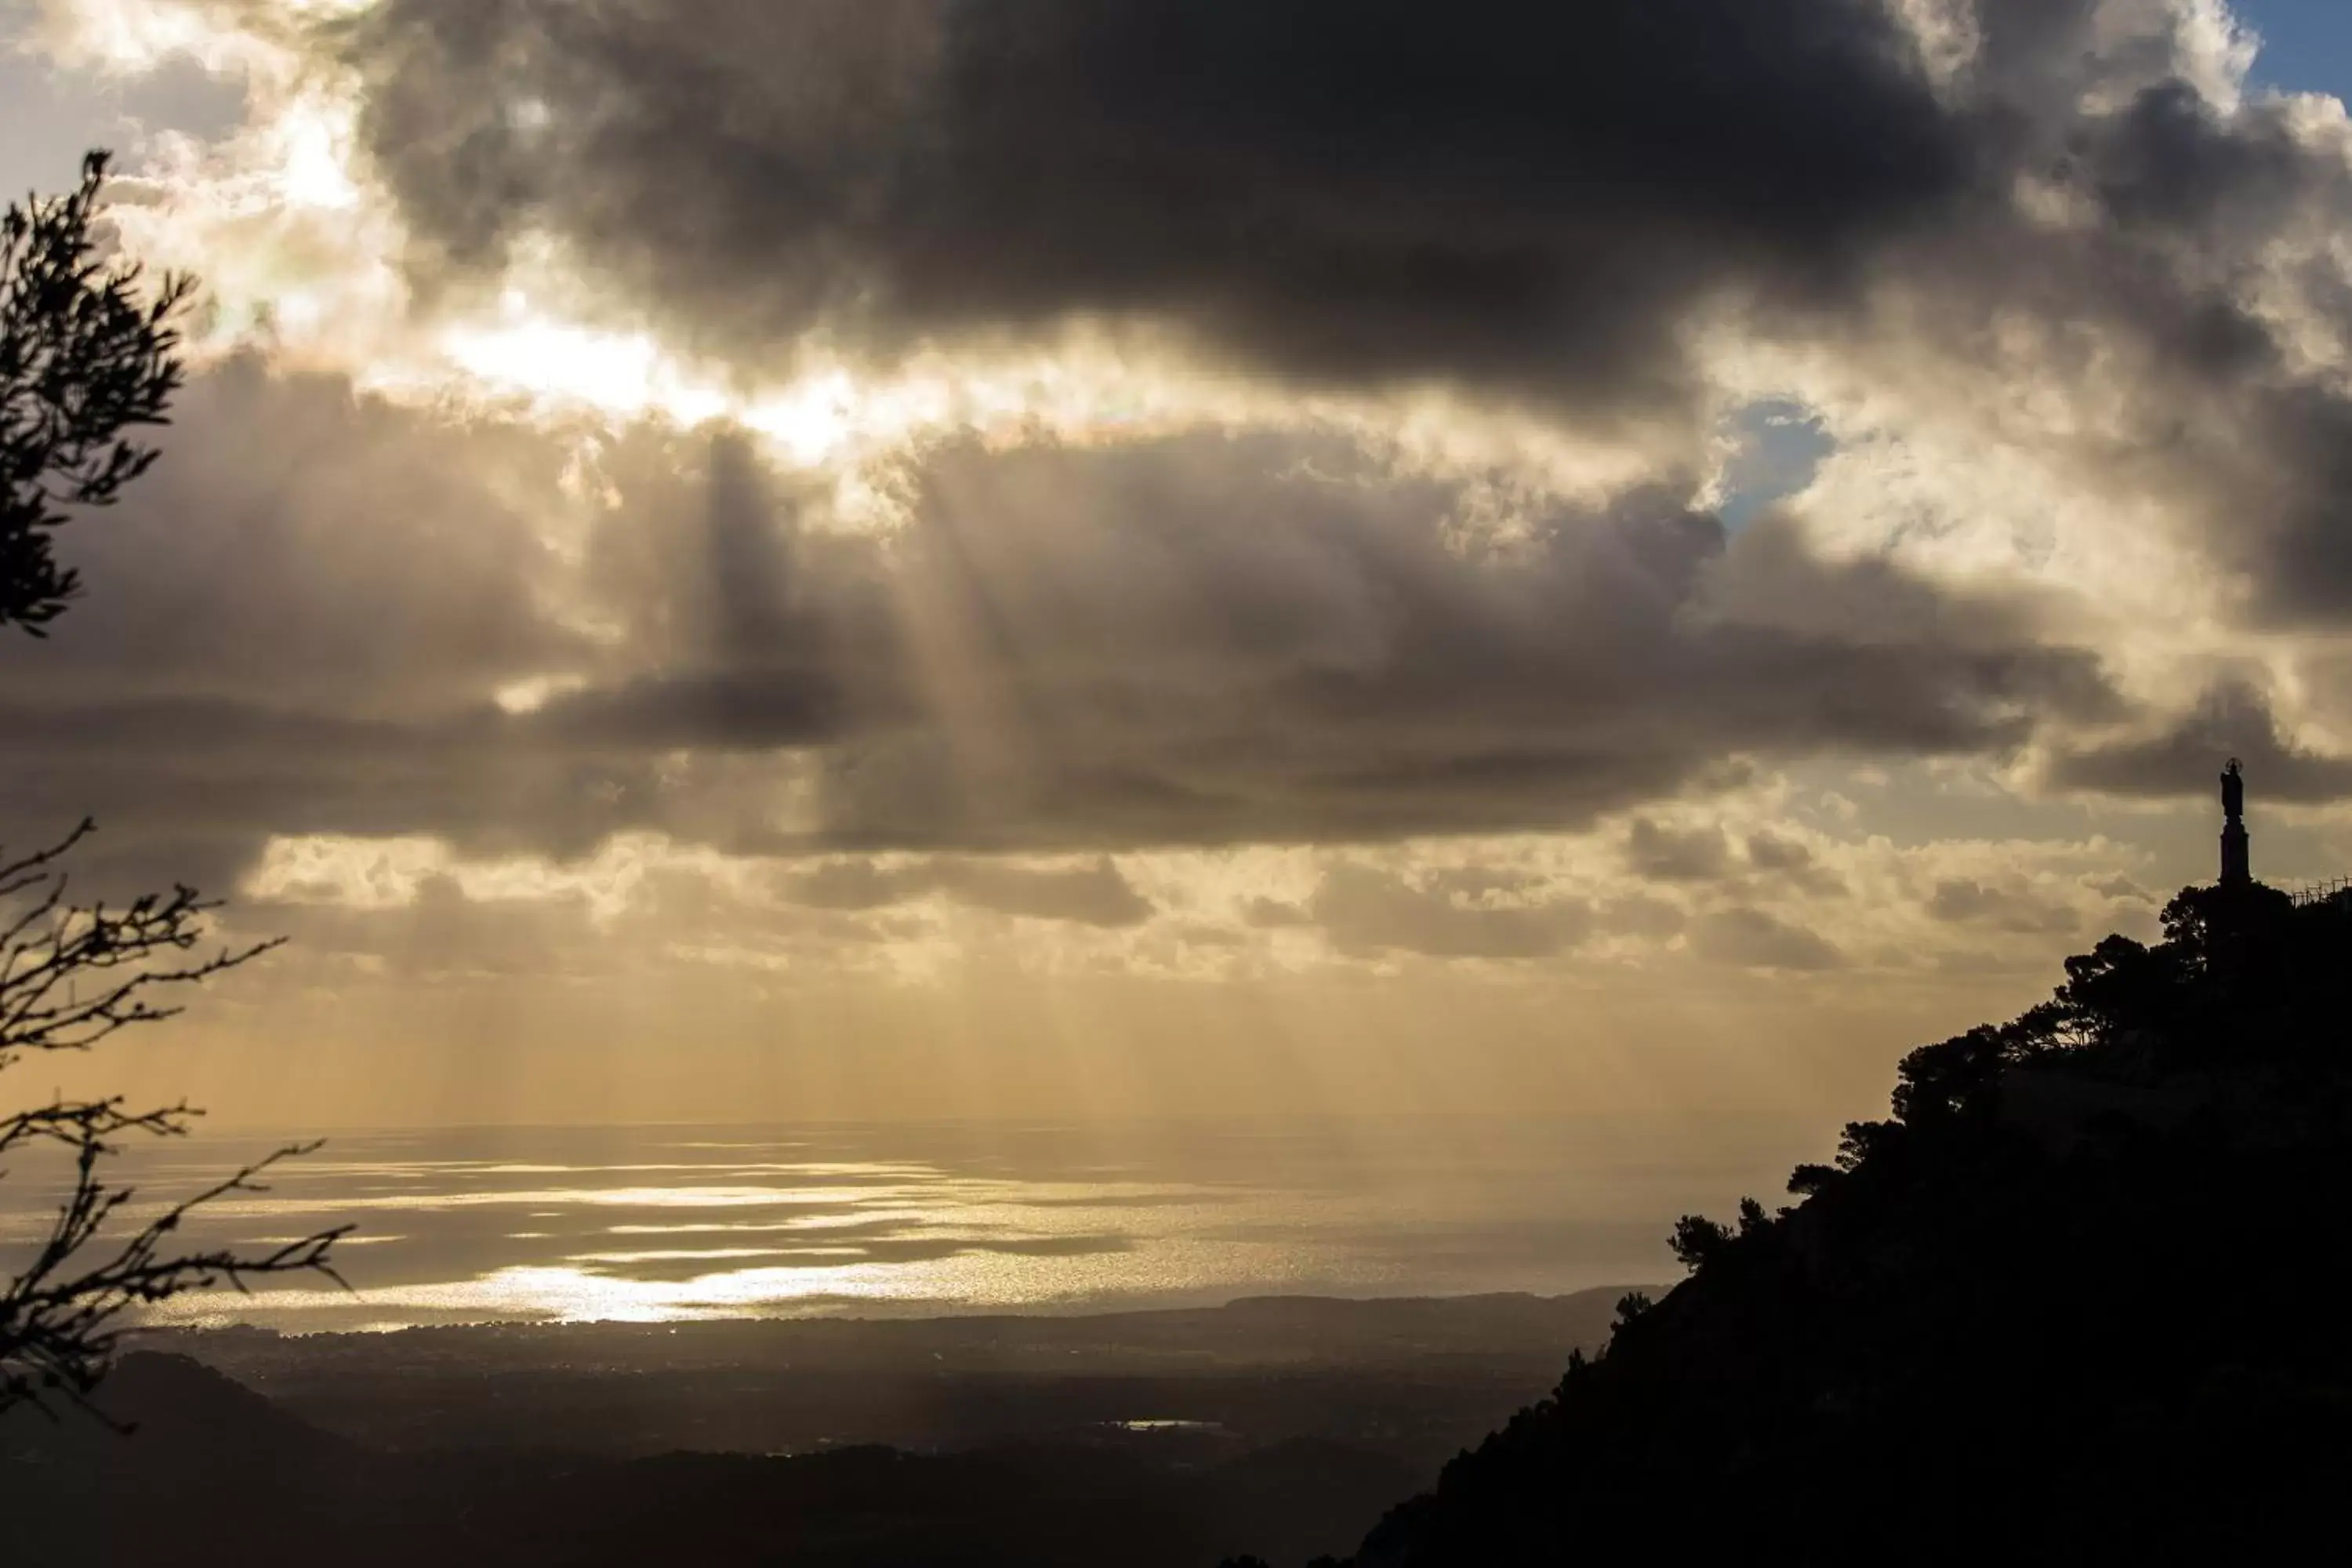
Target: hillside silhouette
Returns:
[2077, 1298]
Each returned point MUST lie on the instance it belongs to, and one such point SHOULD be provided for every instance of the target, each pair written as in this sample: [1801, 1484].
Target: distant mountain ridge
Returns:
[1166, 1438]
[206, 1449]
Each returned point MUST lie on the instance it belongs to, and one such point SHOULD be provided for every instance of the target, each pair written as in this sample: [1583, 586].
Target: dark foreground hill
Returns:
[2080, 1298]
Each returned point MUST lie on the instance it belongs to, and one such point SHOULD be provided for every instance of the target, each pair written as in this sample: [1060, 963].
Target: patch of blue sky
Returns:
[2306, 45]
[1778, 447]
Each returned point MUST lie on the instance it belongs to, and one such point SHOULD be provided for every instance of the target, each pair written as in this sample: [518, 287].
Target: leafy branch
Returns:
[88, 353]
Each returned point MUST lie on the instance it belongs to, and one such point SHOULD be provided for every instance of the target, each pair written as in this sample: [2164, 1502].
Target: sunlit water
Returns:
[668, 1223]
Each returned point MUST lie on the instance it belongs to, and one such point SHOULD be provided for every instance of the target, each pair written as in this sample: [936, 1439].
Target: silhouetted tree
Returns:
[88, 355]
[2009, 1323]
[1698, 1238]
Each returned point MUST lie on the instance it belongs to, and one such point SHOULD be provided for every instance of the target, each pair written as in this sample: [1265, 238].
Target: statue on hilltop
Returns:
[2237, 856]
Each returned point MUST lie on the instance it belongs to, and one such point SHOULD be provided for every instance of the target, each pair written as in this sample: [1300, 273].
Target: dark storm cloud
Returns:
[329, 550]
[2295, 464]
[1207, 640]
[196, 784]
[1528, 194]
[304, 619]
[1192, 640]
[2185, 759]
[1530, 197]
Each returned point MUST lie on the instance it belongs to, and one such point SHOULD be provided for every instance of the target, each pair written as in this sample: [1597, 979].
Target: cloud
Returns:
[2063, 233]
[1261, 638]
[1208, 500]
[1521, 193]
[1364, 910]
[1771, 852]
[1637, 916]
[855, 886]
[2185, 759]
[329, 614]
[1963, 902]
[324, 546]
[1095, 895]
[2067, 246]
[1273, 914]
[1672, 855]
[1793, 864]
[1753, 939]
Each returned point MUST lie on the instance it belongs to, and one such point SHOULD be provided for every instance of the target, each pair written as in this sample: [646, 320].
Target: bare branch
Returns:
[14, 874]
[60, 1323]
[70, 976]
[76, 1123]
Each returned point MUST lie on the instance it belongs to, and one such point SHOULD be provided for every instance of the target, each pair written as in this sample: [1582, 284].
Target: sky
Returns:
[2306, 45]
[905, 560]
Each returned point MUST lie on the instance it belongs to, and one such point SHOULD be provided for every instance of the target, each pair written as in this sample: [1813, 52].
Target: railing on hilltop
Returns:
[2338, 891]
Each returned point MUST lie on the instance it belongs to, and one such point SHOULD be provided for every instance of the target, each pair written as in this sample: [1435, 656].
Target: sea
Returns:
[649, 1224]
